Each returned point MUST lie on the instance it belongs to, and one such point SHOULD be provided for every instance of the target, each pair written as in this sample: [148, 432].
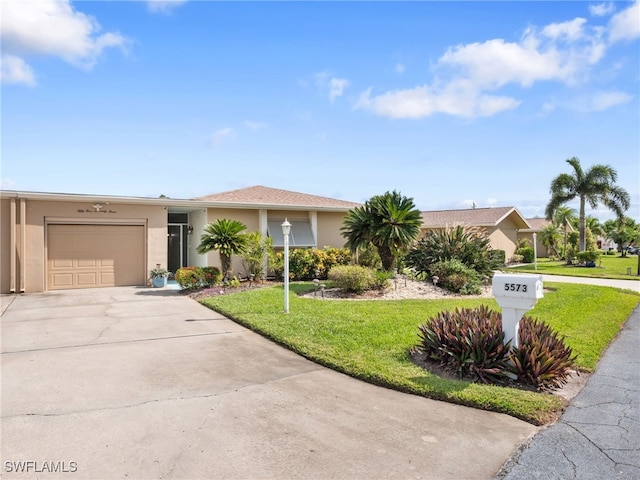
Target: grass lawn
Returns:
[607, 266]
[370, 339]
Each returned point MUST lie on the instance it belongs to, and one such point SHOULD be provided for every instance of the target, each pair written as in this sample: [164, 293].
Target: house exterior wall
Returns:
[329, 224]
[5, 245]
[39, 213]
[541, 249]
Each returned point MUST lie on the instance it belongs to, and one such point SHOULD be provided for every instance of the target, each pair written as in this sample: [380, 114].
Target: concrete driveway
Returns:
[146, 383]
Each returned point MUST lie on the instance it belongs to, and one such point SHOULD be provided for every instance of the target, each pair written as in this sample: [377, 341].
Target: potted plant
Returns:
[159, 276]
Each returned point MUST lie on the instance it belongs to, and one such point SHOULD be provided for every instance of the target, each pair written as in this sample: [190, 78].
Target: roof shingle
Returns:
[489, 216]
[259, 195]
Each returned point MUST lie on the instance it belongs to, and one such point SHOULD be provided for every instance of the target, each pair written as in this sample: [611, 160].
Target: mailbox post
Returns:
[516, 295]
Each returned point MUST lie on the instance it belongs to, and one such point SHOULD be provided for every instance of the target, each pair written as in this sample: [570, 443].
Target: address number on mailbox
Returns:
[515, 287]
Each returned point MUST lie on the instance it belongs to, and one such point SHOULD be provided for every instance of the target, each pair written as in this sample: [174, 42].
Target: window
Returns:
[300, 236]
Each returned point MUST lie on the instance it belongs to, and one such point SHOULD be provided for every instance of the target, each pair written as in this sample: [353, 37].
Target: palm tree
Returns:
[224, 236]
[596, 185]
[622, 231]
[549, 236]
[564, 216]
[390, 222]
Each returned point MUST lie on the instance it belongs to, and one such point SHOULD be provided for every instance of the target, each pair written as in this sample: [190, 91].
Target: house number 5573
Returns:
[515, 287]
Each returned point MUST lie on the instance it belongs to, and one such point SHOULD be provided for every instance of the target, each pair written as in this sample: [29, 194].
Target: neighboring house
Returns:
[500, 224]
[538, 224]
[52, 241]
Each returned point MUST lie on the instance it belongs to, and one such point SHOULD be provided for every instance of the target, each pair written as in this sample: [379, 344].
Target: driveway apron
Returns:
[146, 383]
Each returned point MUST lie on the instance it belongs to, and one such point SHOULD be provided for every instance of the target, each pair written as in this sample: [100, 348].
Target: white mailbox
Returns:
[516, 295]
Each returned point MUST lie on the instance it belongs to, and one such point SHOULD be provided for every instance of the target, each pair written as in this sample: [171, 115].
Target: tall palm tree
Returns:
[564, 216]
[593, 224]
[595, 186]
[390, 222]
[227, 238]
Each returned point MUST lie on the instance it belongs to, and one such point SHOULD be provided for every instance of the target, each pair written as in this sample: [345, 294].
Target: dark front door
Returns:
[177, 251]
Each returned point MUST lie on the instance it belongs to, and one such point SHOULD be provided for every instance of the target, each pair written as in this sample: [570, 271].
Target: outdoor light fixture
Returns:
[286, 229]
[189, 230]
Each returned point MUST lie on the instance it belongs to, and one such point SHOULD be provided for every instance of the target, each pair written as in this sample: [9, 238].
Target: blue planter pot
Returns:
[159, 282]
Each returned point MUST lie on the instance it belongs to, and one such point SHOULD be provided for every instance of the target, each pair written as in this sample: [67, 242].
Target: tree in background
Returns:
[549, 236]
[564, 217]
[227, 238]
[390, 222]
[623, 232]
[595, 186]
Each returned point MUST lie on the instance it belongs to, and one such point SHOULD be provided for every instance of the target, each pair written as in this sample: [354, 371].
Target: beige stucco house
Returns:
[500, 224]
[52, 241]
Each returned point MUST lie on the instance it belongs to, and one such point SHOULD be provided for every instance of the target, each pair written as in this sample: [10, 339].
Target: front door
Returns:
[177, 247]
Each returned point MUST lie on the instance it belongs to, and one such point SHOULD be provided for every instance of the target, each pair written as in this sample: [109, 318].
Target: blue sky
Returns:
[451, 103]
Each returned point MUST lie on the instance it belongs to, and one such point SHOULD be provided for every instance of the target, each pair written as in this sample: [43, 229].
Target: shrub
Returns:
[305, 262]
[197, 277]
[527, 254]
[542, 359]
[353, 278]
[209, 276]
[368, 257]
[470, 245]
[517, 258]
[257, 249]
[469, 341]
[456, 277]
[588, 256]
[188, 277]
[499, 257]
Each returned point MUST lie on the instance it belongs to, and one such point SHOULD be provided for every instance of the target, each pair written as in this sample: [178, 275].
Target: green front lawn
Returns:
[607, 266]
[370, 339]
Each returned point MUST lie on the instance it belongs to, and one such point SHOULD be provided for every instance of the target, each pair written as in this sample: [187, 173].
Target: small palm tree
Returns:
[390, 222]
[564, 217]
[595, 186]
[549, 237]
[227, 238]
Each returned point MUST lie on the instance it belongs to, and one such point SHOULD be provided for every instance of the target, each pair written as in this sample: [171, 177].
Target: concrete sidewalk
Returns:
[146, 383]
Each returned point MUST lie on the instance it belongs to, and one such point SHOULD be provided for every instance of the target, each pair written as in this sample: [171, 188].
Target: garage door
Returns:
[88, 256]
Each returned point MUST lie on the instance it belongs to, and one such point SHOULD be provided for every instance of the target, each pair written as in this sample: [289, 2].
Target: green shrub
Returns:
[499, 257]
[468, 341]
[470, 245]
[542, 359]
[588, 256]
[517, 258]
[197, 277]
[189, 277]
[527, 254]
[305, 262]
[368, 257]
[455, 276]
[353, 278]
[257, 249]
[382, 280]
[209, 276]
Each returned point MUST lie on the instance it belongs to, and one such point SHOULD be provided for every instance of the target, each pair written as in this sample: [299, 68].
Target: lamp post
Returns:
[535, 251]
[286, 229]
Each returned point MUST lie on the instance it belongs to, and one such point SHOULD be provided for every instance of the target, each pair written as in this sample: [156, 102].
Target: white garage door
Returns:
[89, 256]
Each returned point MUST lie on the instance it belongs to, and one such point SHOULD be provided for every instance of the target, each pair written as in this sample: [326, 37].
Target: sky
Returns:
[453, 104]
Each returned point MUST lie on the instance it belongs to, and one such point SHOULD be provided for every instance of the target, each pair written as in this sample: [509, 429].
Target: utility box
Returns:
[516, 295]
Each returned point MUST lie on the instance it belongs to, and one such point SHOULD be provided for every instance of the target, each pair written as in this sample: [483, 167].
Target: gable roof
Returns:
[480, 217]
[537, 224]
[260, 196]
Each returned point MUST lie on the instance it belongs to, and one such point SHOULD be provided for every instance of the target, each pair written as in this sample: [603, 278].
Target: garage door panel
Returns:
[83, 256]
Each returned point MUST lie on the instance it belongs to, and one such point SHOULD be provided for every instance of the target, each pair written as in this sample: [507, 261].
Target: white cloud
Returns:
[54, 28]
[399, 68]
[547, 108]
[605, 100]
[601, 9]
[254, 125]
[336, 87]
[332, 85]
[625, 25]
[163, 6]
[14, 70]
[466, 77]
[219, 135]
